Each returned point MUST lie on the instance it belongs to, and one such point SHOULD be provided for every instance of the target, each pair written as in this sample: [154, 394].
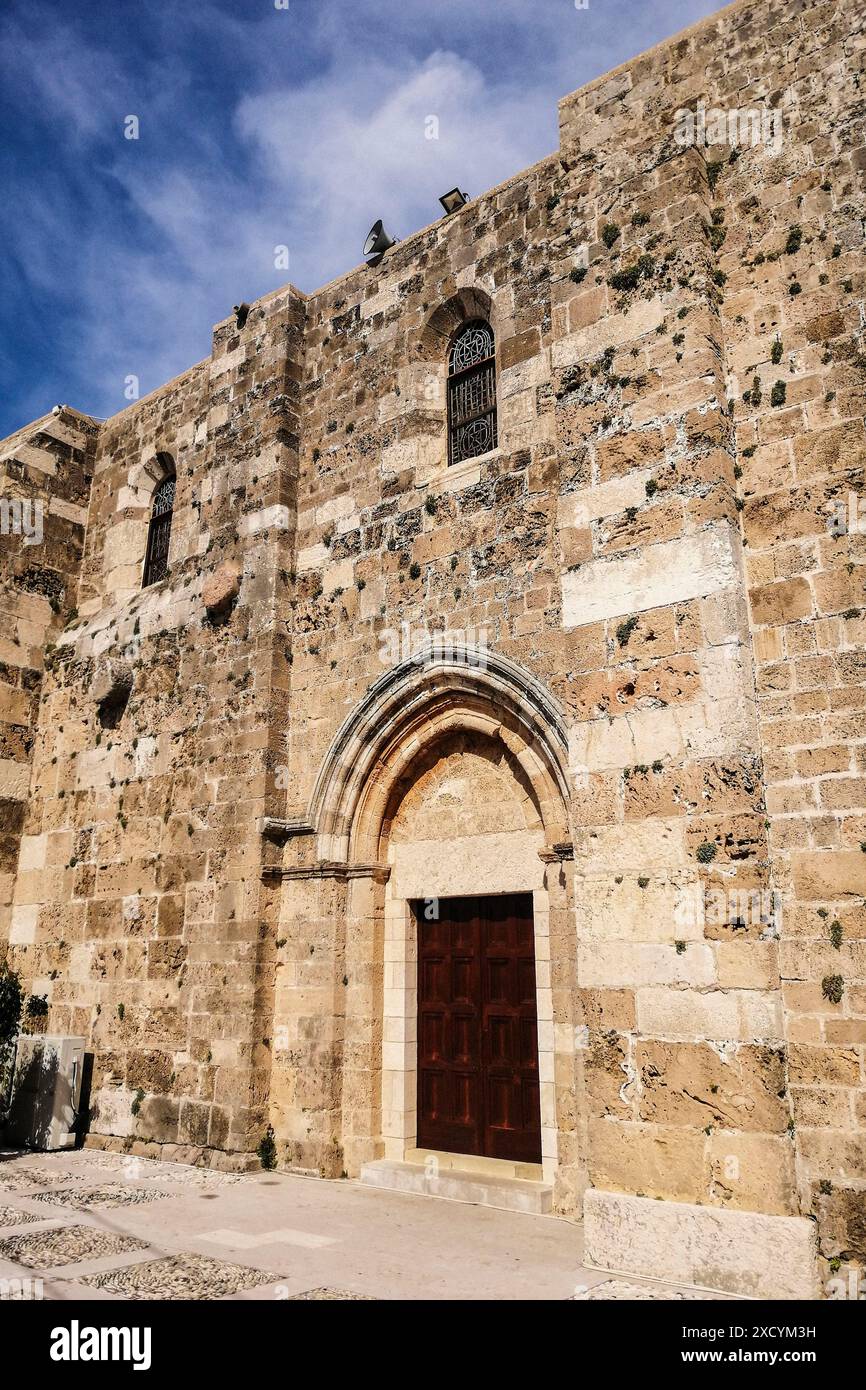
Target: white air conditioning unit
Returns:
[46, 1092]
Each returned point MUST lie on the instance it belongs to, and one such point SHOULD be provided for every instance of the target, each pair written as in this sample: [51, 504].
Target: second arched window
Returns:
[472, 393]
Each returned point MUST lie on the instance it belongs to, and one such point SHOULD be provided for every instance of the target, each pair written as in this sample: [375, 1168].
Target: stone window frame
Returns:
[153, 572]
[424, 391]
[137, 498]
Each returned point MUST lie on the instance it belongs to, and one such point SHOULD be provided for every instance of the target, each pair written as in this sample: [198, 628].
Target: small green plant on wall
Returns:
[267, 1149]
[832, 988]
[36, 1012]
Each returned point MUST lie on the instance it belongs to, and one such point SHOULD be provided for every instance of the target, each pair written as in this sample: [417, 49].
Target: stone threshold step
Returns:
[510, 1194]
[476, 1164]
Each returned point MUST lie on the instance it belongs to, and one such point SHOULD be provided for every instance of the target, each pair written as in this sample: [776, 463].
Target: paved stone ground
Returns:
[100, 1226]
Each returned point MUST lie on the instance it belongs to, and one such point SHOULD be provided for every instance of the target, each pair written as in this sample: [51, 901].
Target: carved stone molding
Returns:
[380, 873]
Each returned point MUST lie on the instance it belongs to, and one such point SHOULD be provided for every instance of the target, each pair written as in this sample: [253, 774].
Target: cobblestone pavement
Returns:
[103, 1226]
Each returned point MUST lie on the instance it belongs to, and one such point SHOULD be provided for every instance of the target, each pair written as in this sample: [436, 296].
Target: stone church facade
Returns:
[517, 576]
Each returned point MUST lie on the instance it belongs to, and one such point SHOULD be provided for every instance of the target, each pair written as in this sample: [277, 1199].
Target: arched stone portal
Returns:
[449, 779]
[412, 705]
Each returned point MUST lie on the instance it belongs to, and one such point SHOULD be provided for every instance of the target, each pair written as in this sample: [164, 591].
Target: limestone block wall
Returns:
[387, 533]
[684, 1037]
[776, 350]
[45, 475]
[608, 546]
[138, 901]
[794, 317]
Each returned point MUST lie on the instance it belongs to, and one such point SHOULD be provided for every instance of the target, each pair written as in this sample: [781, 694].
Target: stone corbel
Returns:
[556, 854]
[279, 829]
[220, 590]
[111, 686]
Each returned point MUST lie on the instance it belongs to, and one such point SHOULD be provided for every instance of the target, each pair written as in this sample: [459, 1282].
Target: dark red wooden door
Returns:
[477, 1028]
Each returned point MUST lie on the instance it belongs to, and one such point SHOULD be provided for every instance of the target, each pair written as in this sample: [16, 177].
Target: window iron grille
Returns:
[159, 532]
[472, 428]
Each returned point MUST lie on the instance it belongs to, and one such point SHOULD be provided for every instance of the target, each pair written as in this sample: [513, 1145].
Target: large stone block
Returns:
[670, 572]
[662, 1161]
[652, 846]
[635, 907]
[751, 1172]
[719, 1015]
[829, 875]
[746, 1253]
[842, 1217]
[475, 864]
[703, 729]
[730, 1087]
[627, 964]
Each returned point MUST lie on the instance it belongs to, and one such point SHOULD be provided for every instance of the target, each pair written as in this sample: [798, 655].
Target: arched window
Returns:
[159, 532]
[472, 392]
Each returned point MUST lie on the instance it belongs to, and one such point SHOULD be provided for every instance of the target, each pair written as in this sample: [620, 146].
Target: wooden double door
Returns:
[478, 1028]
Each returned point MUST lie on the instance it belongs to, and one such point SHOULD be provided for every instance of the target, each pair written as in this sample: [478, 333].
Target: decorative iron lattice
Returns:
[474, 345]
[472, 394]
[159, 532]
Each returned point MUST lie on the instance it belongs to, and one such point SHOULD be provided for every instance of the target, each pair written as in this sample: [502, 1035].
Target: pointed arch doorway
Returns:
[467, 1056]
[449, 782]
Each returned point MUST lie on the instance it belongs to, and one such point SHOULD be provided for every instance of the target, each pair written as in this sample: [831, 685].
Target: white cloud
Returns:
[339, 154]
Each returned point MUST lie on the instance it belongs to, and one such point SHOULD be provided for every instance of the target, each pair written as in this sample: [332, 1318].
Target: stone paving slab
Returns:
[620, 1290]
[130, 1168]
[26, 1179]
[327, 1295]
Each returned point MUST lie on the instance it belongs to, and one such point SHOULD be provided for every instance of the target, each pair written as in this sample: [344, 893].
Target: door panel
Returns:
[509, 1030]
[432, 1032]
[477, 1030]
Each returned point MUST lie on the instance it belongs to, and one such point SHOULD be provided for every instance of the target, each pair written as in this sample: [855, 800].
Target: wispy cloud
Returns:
[258, 127]
[386, 145]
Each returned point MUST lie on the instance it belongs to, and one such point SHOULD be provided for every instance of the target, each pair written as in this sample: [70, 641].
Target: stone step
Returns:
[476, 1164]
[457, 1185]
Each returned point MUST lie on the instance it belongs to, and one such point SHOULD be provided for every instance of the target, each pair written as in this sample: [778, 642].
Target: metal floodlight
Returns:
[378, 240]
[454, 201]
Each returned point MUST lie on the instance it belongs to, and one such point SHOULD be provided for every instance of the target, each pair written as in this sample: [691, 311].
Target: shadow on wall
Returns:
[49, 1091]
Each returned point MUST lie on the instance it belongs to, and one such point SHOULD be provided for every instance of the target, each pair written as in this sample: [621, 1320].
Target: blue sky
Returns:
[259, 126]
